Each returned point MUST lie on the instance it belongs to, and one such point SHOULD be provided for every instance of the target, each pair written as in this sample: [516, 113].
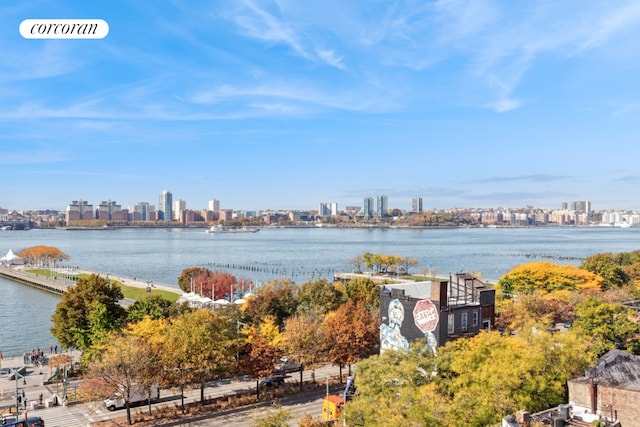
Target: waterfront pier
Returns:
[55, 286]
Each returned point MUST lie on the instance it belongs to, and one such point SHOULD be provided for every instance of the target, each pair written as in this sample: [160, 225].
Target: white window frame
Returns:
[451, 322]
[464, 321]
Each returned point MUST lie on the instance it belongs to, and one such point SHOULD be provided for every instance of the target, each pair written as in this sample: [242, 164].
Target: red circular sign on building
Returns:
[425, 315]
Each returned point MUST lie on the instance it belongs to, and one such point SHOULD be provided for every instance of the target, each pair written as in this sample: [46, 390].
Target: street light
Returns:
[17, 375]
[238, 323]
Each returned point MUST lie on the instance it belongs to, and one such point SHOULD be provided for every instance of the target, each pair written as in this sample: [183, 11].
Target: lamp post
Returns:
[238, 323]
[17, 375]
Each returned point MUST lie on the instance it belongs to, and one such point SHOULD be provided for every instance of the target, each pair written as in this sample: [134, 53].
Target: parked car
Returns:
[272, 382]
[287, 366]
[20, 422]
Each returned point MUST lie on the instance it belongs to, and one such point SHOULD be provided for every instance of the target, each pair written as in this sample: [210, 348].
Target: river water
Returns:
[301, 254]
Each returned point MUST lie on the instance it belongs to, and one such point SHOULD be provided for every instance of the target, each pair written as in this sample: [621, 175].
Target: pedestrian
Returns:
[24, 402]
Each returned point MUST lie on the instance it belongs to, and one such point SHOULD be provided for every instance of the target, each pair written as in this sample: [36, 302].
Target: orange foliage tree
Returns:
[351, 333]
[43, 256]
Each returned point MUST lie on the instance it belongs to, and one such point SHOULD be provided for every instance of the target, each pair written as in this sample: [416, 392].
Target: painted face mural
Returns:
[390, 335]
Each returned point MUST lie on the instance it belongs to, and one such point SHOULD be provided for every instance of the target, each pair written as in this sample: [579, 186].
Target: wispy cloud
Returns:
[267, 22]
[526, 178]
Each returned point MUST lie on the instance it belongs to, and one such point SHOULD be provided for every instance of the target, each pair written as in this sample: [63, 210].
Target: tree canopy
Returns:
[43, 255]
[548, 277]
[87, 312]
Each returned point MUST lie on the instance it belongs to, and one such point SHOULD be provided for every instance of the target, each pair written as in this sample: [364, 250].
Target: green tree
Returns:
[393, 389]
[153, 306]
[491, 374]
[607, 326]
[318, 296]
[363, 290]
[605, 266]
[87, 312]
[278, 417]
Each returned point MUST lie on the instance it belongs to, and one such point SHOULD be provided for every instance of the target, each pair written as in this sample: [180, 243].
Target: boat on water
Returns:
[223, 229]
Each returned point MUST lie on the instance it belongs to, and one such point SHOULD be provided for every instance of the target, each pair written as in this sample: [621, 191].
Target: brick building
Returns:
[611, 389]
[437, 311]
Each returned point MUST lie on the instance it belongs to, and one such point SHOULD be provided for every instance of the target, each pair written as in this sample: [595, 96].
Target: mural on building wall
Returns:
[391, 337]
[425, 316]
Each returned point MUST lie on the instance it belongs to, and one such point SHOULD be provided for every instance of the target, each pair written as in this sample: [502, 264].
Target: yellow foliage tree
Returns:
[547, 277]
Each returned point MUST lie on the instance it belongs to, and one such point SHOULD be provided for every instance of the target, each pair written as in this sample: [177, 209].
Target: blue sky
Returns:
[285, 104]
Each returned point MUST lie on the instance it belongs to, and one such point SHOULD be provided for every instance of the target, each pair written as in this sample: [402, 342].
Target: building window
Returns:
[464, 322]
[451, 322]
[475, 318]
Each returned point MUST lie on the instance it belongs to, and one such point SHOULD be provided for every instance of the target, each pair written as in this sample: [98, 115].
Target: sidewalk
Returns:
[31, 383]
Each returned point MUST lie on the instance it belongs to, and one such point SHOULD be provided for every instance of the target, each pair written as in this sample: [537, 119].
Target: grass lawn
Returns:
[130, 292]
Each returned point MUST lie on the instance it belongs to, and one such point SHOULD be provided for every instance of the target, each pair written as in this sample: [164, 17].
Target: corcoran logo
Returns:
[64, 29]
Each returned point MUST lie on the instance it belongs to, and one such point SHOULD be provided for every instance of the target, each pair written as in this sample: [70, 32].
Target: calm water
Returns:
[300, 254]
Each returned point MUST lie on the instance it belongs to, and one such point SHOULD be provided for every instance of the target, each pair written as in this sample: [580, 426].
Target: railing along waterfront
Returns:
[55, 286]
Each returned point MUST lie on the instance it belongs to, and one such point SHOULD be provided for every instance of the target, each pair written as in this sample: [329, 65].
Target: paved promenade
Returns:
[58, 286]
[32, 384]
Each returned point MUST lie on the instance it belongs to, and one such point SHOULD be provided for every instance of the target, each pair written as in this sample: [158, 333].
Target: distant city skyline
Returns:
[371, 206]
[284, 105]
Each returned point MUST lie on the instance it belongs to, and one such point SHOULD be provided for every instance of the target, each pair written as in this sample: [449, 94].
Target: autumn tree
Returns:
[406, 263]
[194, 279]
[261, 351]
[86, 312]
[302, 340]
[490, 375]
[537, 308]
[357, 261]
[547, 277]
[276, 298]
[123, 367]
[363, 290]
[200, 347]
[43, 256]
[224, 285]
[351, 334]
[318, 296]
[394, 389]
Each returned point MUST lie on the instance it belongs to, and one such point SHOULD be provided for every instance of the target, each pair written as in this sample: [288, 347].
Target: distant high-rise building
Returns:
[327, 209]
[213, 205]
[367, 208]
[140, 211]
[165, 201]
[382, 206]
[106, 210]
[581, 206]
[416, 204]
[79, 209]
[564, 206]
[179, 206]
